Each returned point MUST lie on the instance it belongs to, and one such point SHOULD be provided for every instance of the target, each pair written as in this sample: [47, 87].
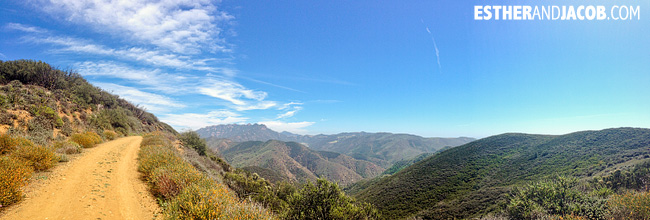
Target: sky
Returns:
[310, 67]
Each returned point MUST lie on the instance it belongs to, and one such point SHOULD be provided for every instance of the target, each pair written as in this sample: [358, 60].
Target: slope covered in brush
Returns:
[42, 103]
[473, 178]
[297, 162]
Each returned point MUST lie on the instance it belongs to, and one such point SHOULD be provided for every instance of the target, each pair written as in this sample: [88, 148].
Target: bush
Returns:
[9, 143]
[110, 135]
[169, 180]
[67, 147]
[192, 140]
[38, 157]
[325, 200]
[87, 140]
[208, 200]
[155, 138]
[554, 197]
[630, 206]
[155, 156]
[13, 175]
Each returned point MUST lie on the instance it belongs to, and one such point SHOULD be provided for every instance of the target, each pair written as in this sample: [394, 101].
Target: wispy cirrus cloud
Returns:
[150, 101]
[151, 57]
[161, 55]
[182, 26]
[293, 127]
[24, 28]
[238, 96]
[195, 120]
[154, 79]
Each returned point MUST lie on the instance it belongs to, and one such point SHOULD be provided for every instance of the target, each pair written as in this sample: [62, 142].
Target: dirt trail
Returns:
[103, 183]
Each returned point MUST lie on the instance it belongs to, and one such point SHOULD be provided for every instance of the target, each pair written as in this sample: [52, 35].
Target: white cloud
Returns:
[24, 28]
[195, 121]
[293, 127]
[152, 102]
[242, 98]
[182, 26]
[289, 113]
[151, 57]
[153, 79]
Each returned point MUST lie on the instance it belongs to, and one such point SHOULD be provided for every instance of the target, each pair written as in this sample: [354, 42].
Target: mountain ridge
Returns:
[299, 163]
[381, 148]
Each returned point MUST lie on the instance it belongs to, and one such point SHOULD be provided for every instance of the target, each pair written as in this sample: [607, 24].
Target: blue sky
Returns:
[309, 67]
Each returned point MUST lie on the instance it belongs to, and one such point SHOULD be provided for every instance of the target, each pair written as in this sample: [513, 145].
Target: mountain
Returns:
[472, 179]
[383, 149]
[297, 162]
[241, 133]
[43, 103]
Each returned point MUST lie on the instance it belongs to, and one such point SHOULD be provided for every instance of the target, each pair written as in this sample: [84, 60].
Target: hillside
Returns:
[43, 103]
[382, 149]
[296, 162]
[472, 179]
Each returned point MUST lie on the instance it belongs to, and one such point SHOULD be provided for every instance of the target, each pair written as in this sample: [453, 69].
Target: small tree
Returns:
[191, 139]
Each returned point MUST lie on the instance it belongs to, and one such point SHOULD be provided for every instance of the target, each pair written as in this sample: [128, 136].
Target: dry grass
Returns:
[186, 192]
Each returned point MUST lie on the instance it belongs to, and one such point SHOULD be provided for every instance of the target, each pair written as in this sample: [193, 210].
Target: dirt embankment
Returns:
[102, 183]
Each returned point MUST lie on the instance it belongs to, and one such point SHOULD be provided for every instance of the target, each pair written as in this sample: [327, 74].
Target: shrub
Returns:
[155, 138]
[13, 175]
[192, 140]
[170, 179]
[38, 157]
[110, 135]
[208, 200]
[155, 156]
[87, 140]
[67, 147]
[325, 200]
[630, 206]
[9, 143]
[553, 197]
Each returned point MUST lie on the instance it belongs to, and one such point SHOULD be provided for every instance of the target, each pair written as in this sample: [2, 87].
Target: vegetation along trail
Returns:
[103, 183]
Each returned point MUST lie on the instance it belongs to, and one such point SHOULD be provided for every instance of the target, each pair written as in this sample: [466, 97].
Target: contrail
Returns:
[435, 46]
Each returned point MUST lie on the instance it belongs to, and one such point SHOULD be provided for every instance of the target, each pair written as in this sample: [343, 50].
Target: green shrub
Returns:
[325, 200]
[38, 157]
[110, 135]
[67, 147]
[553, 197]
[14, 174]
[192, 140]
[87, 140]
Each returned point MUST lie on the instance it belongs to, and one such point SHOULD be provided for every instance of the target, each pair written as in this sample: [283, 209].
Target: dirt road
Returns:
[102, 183]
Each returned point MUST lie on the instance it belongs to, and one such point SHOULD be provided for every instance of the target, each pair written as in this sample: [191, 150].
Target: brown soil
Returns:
[101, 183]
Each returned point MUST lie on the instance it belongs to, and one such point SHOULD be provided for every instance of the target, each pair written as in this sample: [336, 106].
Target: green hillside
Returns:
[43, 103]
[296, 162]
[474, 178]
[383, 149]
